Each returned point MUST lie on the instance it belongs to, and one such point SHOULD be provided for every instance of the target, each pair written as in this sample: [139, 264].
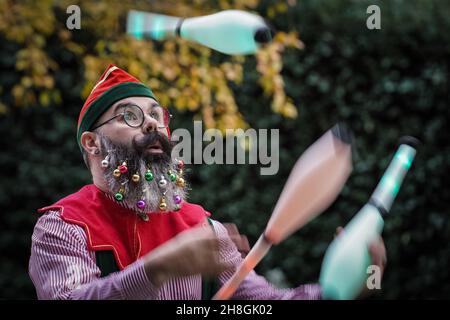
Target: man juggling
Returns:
[132, 234]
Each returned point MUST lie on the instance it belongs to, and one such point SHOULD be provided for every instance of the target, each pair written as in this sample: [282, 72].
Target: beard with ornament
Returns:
[144, 176]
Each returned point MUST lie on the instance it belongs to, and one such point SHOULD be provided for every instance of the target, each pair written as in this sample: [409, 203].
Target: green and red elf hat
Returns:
[114, 85]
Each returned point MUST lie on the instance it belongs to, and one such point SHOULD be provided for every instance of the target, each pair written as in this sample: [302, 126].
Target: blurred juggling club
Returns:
[230, 31]
[344, 268]
[313, 184]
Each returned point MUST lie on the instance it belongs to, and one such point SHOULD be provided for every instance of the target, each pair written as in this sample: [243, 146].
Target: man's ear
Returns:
[90, 143]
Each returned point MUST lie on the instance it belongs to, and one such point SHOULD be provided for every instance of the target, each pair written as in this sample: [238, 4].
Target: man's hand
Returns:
[239, 240]
[195, 251]
[377, 252]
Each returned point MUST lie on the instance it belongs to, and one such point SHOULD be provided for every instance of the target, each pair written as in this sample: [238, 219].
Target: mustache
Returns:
[150, 139]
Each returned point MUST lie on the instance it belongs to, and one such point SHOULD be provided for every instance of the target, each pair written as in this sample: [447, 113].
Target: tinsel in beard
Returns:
[137, 190]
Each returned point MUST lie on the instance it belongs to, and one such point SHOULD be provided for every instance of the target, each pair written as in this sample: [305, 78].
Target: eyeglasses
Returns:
[134, 116]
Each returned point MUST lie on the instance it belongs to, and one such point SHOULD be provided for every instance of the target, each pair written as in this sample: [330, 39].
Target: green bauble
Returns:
[149, 176]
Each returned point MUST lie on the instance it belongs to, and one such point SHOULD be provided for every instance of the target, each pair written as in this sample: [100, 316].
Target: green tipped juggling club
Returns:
[229, 31]
[345, 264]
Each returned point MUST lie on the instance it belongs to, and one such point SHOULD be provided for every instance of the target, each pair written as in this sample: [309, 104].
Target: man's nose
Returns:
[149, 124]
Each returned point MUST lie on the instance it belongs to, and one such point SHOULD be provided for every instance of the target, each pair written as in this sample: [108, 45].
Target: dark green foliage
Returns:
[383, 83]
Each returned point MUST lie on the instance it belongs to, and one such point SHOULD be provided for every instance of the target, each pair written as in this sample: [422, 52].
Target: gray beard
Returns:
[149, 191]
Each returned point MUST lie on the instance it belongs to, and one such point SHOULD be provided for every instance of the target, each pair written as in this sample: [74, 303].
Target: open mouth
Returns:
[155, 148]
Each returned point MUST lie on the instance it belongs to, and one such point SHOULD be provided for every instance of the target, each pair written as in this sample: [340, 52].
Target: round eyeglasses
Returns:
[134, 116]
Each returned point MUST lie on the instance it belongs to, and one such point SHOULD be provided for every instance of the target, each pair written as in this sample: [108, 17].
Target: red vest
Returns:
[109, 226]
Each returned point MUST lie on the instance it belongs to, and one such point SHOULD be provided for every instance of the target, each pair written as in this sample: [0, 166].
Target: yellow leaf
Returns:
[44, 99]
[289, 111]
[3, 108]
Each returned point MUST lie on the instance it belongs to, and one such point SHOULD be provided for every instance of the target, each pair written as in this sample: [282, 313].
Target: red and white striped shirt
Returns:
[62, 267]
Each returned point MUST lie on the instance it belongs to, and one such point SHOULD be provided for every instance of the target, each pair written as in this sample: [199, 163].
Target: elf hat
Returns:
[114, 85]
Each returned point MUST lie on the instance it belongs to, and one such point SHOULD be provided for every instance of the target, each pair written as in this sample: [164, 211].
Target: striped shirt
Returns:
[62, 267]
